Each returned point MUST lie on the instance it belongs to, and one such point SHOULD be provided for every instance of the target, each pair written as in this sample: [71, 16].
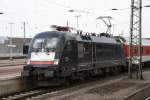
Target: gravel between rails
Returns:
[143, 94]
[27, 94]
[77, 90]
[103, 88]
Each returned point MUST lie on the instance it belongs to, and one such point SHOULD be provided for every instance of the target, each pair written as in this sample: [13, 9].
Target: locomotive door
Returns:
[70, 55]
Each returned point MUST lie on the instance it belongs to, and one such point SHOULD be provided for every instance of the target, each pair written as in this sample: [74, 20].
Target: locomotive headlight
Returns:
[56, 61]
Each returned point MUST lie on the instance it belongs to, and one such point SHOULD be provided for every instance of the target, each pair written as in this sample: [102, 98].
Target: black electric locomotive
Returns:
[55, 57]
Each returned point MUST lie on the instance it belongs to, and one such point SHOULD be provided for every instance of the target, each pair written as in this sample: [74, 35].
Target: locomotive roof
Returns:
[78, 37]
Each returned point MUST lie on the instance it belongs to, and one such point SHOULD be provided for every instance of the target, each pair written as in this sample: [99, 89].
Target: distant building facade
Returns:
[13, 46]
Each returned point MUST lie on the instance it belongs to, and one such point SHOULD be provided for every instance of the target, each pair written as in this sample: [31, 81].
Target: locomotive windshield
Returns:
[45, 44]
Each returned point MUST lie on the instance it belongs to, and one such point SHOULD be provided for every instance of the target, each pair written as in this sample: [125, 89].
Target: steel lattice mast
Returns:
[135, 39]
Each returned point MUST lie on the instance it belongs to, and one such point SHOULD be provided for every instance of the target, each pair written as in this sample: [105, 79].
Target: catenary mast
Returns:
[135, 62]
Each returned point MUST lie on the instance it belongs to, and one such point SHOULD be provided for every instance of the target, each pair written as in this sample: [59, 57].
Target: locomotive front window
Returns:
[45, 44]
[38, 44]
[51, 43]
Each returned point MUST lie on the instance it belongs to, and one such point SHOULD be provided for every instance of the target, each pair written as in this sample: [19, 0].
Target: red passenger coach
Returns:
[145, 49]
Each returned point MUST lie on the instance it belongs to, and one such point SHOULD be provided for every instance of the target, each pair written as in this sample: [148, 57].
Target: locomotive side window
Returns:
[107, 52]
[87, 51]
[135, 50]
[69, 46]
[142, 50]
[117, 52]
[80, 50]
[99, 52]
[147, 51]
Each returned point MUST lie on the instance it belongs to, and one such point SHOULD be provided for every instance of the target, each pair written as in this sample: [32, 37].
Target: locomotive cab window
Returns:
[68, 47]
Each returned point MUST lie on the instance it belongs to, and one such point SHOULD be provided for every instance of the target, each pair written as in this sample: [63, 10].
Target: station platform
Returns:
[12, 62]
[10, 72]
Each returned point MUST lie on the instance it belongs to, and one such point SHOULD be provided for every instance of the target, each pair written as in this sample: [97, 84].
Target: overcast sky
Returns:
[39, 15]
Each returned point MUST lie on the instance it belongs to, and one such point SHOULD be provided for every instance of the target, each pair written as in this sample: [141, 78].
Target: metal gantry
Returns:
[135, 62]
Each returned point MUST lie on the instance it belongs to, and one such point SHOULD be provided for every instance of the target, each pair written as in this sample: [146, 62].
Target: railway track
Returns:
[35, 93]
[30, 94]
[41, 92]
[45, 92]
[142, 94]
